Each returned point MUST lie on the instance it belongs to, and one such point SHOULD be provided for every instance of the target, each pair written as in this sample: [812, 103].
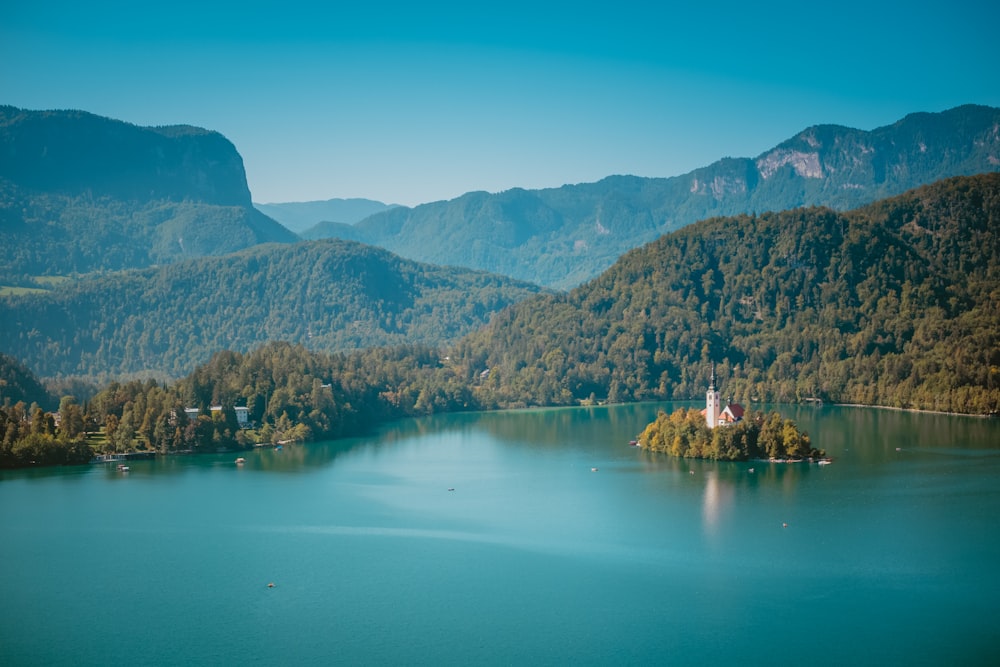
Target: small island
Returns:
[728, 434]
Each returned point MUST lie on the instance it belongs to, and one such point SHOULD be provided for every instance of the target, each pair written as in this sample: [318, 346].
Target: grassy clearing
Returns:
[51, 281]
[43, 285]
[7, 290]
[98, 441]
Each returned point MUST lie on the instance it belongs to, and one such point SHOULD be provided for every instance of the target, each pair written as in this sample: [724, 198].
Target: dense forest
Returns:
[893, 304]
[291, 394]
[32, 436]
[34, 427]
[19, 384]
[66, 236]
[758, 436]
[328, 295]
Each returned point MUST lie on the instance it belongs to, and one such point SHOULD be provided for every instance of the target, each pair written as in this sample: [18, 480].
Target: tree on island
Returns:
[758, 436]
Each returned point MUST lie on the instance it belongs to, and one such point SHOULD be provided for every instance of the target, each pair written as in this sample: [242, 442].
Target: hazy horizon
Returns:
[407, 105]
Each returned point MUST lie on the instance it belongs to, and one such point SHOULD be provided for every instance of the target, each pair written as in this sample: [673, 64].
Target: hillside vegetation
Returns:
[896, 304]
[758, 436]
[327, 295]
[18, 384]
[290, 393]
[561, 237]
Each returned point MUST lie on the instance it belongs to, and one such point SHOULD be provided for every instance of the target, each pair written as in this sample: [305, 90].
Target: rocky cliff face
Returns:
[805, 165]
[844, 167]
[73, 152]
[82, 193]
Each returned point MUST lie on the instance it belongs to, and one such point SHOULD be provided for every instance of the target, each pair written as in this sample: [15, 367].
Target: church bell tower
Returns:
[712, 409]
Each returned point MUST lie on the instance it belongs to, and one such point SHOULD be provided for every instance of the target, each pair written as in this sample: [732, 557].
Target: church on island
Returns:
[715, 413]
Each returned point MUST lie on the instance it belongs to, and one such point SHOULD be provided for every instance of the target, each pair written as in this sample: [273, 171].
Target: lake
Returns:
[529, 537]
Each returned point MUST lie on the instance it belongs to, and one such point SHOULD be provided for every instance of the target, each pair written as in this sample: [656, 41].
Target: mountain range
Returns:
[309, 218]
[889, 303]
[81, 193]
[562, 237]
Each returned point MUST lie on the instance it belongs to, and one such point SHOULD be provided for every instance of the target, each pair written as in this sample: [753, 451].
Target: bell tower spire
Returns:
[712, 407]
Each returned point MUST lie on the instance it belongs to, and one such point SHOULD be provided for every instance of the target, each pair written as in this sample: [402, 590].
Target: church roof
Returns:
[736, 410]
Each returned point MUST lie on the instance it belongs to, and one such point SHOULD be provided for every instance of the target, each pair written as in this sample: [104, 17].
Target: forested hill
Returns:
[564, 236]
[18, 383]
[896, 303]
[82, 193]
[326, 295]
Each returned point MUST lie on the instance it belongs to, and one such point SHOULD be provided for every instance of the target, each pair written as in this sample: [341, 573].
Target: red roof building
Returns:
[717, 414]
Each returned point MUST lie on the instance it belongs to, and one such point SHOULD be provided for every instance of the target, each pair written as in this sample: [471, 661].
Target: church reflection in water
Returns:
[717, 499]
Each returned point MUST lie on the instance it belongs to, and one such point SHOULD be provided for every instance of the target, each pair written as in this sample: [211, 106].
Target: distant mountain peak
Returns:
[559, 236]
[299, 217]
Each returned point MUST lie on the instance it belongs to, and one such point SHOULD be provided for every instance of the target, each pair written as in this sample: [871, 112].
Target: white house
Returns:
[242, 414]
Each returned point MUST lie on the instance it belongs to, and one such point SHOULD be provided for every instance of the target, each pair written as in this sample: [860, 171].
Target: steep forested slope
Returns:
[327, 295]
[18, 383]
[897, 303]
[564, 236]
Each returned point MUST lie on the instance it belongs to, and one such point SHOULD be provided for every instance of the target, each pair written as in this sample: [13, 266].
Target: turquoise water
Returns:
[884, 557]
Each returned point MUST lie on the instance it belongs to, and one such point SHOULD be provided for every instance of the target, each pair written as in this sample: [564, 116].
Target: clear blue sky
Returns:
[408, 103]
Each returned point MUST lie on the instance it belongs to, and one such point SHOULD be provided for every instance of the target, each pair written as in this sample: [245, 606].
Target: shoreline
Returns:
[925, 412]
[820, 460]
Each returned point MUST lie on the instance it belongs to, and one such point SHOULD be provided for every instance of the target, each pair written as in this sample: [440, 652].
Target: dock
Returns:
[124, 456]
